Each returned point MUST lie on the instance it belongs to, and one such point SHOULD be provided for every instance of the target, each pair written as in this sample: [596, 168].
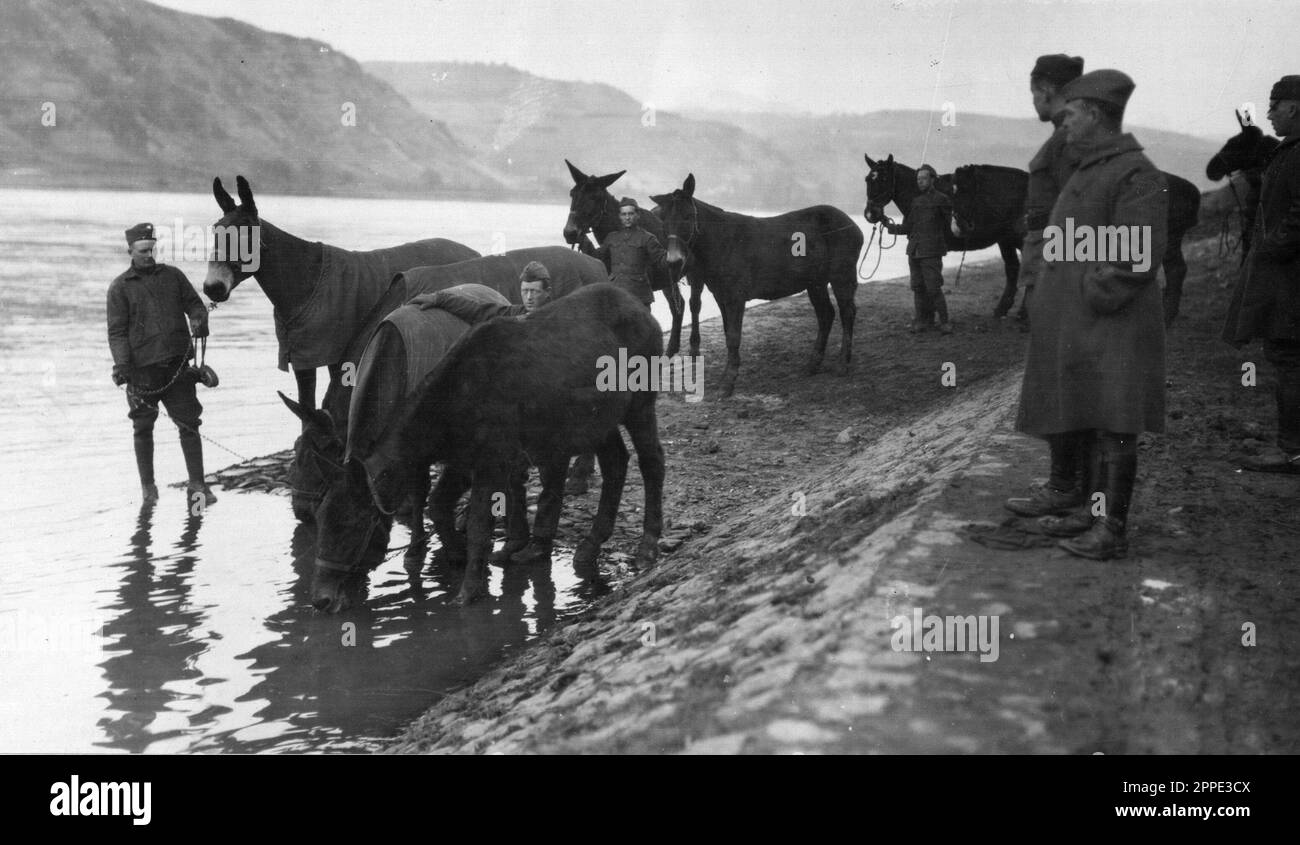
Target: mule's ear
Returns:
[245, 195]
[890, 160]
[606, 181]
[661, 199]
[297, 409]
[688, 187]
[578, 176]
[870, 163]
[224, 199]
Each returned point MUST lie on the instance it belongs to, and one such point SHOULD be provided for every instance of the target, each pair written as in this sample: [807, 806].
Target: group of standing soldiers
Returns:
[1095, 370]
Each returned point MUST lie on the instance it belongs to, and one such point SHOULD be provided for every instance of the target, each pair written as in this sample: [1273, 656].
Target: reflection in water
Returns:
[154, 629]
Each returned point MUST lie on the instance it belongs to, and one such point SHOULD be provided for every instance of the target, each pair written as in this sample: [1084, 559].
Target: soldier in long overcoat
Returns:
[1049, 170]
[1266, 302]
[1096, 357]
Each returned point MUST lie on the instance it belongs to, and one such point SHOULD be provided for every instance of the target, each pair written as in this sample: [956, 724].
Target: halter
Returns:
[695, 226]
[893, 190]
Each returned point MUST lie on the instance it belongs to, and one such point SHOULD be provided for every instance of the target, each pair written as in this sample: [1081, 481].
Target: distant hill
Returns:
[829, 149]
[525, 126]
[148, 97]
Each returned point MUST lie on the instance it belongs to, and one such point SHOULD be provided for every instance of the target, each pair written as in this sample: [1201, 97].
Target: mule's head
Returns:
[235, 253]
[681, 218]
[589, 201]
[882, 187]
[1241, 152]
[351, 533]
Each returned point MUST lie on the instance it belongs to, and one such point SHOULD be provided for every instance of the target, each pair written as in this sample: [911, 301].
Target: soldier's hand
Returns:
[120, 376]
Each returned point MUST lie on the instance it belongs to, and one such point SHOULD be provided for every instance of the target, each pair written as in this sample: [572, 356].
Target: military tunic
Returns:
[630, 253]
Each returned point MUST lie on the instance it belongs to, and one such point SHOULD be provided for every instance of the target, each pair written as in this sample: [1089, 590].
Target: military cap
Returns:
[1108, 86]
[930, 168]
[1057, 68]
[535, 271]
[140, 232]
[626, 201]
[1286, 88]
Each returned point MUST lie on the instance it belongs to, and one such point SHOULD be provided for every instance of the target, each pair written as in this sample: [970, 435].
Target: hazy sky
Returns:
[1193, 61]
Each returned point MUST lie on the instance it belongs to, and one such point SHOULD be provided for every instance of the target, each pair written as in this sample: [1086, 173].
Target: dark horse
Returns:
[593, 208]
[990, 214]
[403, 349]
[320, 292]
[569, 271]
[515, 390]
[741, 258]
[1245, 153]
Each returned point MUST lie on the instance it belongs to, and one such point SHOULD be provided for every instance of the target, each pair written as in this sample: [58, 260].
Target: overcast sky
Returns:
[1194, 62]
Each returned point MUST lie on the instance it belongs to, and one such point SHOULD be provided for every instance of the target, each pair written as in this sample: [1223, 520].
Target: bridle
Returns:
[879, 207]
[604, 211]
[695, 227]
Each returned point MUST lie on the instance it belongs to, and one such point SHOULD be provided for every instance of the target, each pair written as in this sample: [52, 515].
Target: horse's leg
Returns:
[821, 303]
[549, 503]
[696, 290]
[517, 534]
[487, 481]
[613, 458]
[306, 388]
[1011, 266]
[643, 426]
[414, 557]
[452, 484]
[845, 288]
[676, 305]
[1175, 267]
[733, 319]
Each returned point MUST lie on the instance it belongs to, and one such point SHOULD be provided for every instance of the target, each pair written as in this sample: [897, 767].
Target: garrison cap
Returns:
[626, 201]
[1057, 68]
[930, 168]
[535, 271]
[1286, 88]
[1108, 86]
[140, 232]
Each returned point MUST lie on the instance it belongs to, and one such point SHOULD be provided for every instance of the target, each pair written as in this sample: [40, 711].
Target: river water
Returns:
[125, 628]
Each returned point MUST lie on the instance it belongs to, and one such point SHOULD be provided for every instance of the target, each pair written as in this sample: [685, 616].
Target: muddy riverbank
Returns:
[808, 512]
[765, 630]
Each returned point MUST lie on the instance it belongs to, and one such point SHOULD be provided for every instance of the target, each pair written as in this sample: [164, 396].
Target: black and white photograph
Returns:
[895, 377]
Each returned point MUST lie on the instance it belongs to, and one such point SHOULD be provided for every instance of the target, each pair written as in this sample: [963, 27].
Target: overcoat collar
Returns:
[1117, 145]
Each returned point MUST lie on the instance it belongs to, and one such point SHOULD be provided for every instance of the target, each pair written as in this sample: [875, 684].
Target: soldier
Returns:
[150, 340]
[1096, 357]
[1049, 169]
[534, 290]
[925, 224]
[1266, 302]
[630, 253]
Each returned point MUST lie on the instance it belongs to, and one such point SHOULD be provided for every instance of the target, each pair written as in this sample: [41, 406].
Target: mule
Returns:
[320, 292]
[741, 258]
[516, 390]
[569, 271]
[403, 349]
[992, 210]
[592, 208]
[1246, 153]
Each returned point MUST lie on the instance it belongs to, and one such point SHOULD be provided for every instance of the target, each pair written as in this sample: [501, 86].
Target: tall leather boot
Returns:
[144, 464]
[1107, 539]
[1090, 480]
[1061, 494]
[920, 312]
[192, 448]
[940, 305]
